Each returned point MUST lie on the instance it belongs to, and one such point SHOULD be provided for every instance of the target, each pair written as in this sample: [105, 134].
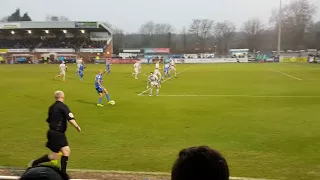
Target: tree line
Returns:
[299, 31]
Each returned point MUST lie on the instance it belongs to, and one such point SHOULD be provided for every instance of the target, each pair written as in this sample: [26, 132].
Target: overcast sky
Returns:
[130, 14]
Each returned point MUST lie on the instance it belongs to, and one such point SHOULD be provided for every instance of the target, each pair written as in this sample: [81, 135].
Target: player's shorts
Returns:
[136, 71]
[99, 89]
[172, 68]
[154, 83]
[108, 67]
[63, 73]
[166, 71]
[80, 73]
[78, 65]
[157, 72]
[56, 140]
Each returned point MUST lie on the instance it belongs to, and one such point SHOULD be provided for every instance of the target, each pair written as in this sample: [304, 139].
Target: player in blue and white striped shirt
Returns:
[100, 89]
[80, 71]
[166, 70]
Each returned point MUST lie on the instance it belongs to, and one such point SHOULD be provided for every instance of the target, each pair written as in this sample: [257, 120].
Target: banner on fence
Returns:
[54, 50]
[123, 61]
[214, 60]
[18, 50]
[91, 50]
[157, 50]
[4, 50]
[293, 59]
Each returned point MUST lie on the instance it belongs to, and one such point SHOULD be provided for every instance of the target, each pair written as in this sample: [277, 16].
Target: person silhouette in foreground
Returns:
[44, 173]
[200, 163]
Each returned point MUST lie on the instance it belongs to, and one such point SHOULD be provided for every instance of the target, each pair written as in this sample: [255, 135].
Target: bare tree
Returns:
[147, 31]
[118, 39]
[162, 28]
[201, 29]
[148, 28]
[296, 18]
[184, 38]
[253, 29]
[224, 32]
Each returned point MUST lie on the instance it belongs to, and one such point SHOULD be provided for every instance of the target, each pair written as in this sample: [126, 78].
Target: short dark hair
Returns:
[200, 163]
[44, 172]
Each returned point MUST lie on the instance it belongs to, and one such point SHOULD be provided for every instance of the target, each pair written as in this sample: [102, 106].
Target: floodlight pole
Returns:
[279, 29]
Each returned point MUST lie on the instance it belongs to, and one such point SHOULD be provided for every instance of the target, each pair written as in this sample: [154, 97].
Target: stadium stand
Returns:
[36, 40]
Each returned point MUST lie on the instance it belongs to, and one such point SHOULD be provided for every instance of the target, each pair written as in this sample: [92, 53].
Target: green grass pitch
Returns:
[273, 132]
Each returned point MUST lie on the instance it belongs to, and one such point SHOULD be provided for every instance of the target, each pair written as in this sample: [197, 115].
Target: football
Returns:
[112, 102]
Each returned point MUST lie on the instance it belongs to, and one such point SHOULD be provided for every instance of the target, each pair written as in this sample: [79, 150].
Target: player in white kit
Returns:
[79, 62]
[153, 81]
[136, 69]
[140, 64]
[173, 67]
[62, 68]
[157, 70]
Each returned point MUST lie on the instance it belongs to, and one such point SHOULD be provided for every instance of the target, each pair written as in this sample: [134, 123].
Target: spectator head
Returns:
[44, 173]
[200, 163]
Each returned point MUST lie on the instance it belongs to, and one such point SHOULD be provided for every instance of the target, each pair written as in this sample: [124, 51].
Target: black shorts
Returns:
[56, 141]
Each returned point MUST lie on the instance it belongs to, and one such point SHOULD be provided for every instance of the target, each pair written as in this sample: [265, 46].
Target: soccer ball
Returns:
[112, 102]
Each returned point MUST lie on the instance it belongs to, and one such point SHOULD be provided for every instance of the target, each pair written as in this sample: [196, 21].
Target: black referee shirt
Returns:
[58, 116]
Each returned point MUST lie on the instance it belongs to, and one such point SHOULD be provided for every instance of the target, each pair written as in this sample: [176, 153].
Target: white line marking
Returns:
[286, 74]
[125, 172]
[231, 178]
[18, 177]
[230, 95]
[163, 81]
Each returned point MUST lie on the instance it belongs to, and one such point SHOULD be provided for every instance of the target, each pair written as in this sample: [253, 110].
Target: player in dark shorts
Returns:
[58, 116]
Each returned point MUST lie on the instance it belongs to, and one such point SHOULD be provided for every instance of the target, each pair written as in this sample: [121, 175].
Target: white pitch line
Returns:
[122, 173]
[285, 74]
[18, 177]
[230, 95]
[163, 81]
[231, 178]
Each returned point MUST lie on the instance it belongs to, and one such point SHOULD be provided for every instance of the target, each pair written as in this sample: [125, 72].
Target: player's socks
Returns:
[43, 159]
[64, 162]
[100, 100]
[151, 92]
[109, 71]
[157, 92]
[108, 97]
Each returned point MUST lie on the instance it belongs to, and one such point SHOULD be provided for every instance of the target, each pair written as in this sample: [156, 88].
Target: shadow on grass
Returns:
[86, 102]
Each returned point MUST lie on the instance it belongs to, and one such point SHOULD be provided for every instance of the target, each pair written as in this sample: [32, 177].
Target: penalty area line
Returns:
[164, 80]
[286, 74]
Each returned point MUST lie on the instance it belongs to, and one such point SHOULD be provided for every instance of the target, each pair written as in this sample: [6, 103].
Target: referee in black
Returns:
[58, 116]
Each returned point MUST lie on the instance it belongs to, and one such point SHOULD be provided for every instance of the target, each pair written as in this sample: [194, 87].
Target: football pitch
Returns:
[264, 118]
